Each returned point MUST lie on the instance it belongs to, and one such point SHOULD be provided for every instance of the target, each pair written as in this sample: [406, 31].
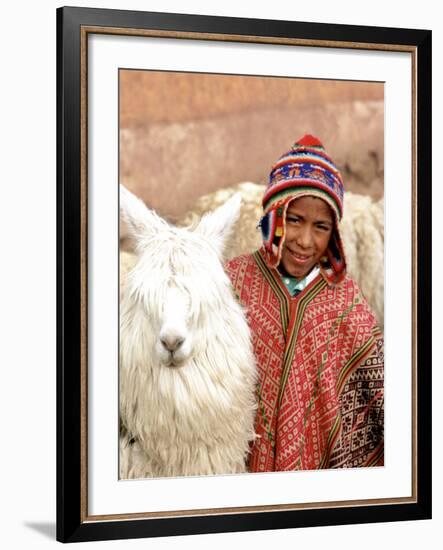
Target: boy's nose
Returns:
[304, 238]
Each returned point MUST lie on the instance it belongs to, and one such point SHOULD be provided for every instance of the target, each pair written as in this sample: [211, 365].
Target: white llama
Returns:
[187, 369]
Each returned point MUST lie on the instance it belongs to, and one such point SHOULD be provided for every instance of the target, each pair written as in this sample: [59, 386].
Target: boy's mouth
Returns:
[300, 258]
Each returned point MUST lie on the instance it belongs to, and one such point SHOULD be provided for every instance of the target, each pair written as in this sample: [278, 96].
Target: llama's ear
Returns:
[138, 217]
[219, 224]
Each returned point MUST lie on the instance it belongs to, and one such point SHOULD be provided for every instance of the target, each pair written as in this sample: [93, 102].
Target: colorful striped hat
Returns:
[305, 170]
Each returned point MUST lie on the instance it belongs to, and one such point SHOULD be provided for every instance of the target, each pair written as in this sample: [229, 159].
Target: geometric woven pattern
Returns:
[320, 361]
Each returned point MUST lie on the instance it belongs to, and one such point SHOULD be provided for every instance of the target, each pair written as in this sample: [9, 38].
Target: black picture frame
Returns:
[73, 25]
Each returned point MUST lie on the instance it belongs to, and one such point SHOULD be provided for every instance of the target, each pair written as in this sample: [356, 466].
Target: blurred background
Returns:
[184, 135]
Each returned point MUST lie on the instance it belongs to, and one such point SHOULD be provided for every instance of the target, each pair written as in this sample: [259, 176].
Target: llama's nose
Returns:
[172, 342]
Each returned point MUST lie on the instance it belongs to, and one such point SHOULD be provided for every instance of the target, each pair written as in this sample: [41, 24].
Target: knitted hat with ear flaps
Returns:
[305, 170]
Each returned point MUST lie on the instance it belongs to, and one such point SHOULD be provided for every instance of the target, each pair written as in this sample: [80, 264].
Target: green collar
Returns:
[295, 286]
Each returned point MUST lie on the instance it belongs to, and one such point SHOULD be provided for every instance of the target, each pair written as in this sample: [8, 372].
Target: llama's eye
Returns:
[191, 308]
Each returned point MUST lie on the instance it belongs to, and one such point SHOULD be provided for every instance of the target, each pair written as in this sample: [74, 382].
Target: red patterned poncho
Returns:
[320, 361]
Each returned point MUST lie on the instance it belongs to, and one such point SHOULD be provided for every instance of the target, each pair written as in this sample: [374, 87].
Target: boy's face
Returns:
[309, 225]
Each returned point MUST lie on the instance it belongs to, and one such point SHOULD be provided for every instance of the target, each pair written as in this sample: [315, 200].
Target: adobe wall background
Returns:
[183, 135]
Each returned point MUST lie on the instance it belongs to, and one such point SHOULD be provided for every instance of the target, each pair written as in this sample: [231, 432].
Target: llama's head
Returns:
[178, 282]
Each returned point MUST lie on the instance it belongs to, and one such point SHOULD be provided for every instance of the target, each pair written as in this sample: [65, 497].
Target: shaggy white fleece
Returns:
[187, 370]
[362, 230]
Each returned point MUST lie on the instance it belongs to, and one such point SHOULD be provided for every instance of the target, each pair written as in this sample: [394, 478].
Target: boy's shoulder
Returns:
[356, 300]
[238, 261]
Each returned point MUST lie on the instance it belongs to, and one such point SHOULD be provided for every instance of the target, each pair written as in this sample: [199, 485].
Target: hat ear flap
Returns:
[333, 266]
[272, 226]
[268, 225]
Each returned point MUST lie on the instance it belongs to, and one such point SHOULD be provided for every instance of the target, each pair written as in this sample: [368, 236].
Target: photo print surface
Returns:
[251, 274]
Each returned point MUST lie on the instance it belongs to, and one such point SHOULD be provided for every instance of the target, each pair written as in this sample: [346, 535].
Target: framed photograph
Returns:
[188, 114]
